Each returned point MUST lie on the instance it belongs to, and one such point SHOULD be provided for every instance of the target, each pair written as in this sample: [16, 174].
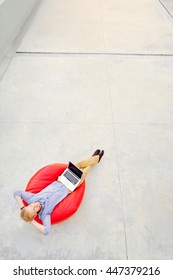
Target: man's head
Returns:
[29, 212]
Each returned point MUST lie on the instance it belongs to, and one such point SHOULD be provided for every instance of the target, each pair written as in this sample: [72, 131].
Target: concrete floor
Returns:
[92, 74]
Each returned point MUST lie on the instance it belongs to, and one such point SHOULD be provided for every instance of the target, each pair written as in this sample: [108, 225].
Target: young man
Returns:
[43, 203]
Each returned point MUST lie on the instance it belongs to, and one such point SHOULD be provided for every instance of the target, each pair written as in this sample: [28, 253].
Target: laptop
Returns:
[71, 176]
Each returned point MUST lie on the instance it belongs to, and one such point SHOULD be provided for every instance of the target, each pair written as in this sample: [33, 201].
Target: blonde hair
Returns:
[26, 215]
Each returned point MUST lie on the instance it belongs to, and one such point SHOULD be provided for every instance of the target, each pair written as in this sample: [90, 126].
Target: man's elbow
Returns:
[16, 193]
[46, 230]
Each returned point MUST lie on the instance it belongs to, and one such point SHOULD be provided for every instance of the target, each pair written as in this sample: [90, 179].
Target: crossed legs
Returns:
[86, 165]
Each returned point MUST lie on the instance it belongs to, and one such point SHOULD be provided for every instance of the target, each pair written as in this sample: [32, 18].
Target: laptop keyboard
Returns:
[70, 177]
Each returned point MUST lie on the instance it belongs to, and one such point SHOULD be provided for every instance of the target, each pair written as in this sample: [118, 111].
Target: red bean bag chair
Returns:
[69, 205]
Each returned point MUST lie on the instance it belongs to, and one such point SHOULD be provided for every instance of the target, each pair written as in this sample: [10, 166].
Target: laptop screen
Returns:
[75, 170]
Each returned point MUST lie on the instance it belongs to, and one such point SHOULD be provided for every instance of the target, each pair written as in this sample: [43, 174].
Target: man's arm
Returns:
[19, 201]
[26, 196]
[37, 226]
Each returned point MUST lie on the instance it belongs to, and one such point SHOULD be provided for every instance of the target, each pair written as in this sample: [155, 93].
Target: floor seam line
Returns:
[121, 196]
[116, 160]
[92, 54]
[166, 9]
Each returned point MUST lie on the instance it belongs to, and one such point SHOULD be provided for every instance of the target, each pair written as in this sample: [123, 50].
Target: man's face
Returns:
[33, 208]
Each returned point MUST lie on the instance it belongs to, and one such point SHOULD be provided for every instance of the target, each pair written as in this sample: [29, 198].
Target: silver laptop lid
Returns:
[74, 169]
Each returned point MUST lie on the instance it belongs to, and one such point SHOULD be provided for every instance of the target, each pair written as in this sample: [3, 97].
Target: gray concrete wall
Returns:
[13, 15]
